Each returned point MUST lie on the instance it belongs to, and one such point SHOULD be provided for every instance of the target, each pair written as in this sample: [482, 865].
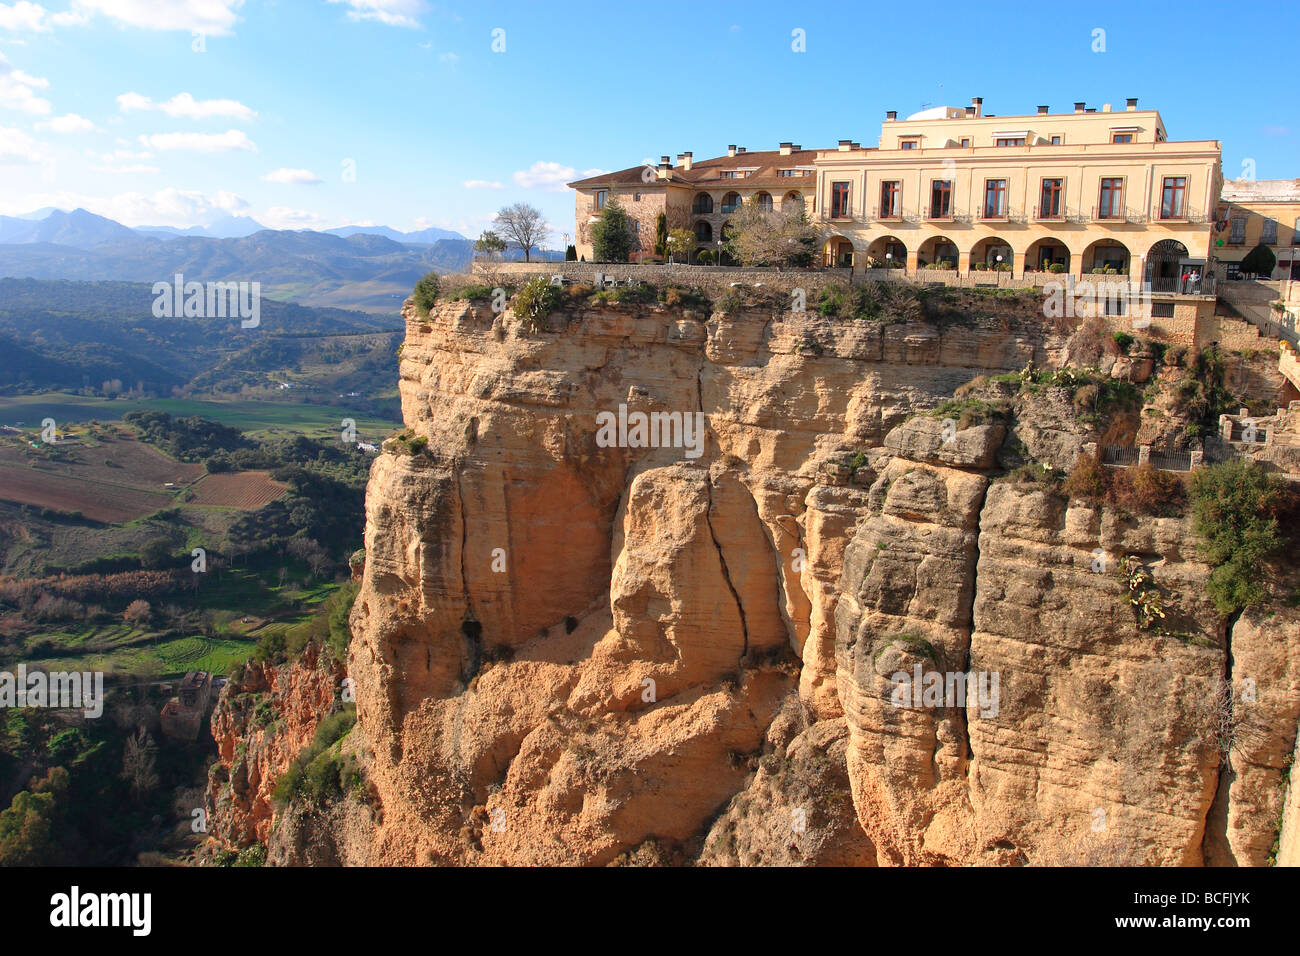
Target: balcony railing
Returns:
[893, 215]
[1193, 216]
[1110, 214]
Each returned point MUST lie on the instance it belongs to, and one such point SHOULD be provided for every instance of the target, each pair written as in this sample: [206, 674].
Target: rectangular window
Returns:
[1268, 235]
[1116, 305]
[1238, 234]
[601, 196]
[638, 197]
[940, 199]
[840, 201]
[1056, 141]
[1010, 141]
[1111, 201]
[965, 140]
[1162, 310]
[1049, 203]
[1232, 269]
[995, 198]
[1121, 137]
[1173, 198]
[889, 206]
[913, 143]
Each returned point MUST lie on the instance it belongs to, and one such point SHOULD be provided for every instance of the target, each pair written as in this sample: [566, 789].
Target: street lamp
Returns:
[719, 244]
[999, 268]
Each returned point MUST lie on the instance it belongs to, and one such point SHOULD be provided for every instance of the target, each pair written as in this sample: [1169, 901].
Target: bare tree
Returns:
[523, 224]
[138, 764]
[760, 236]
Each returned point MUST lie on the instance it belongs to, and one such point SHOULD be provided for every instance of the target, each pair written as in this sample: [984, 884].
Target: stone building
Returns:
[182, 716]
[1083, 192]
[1259, 211]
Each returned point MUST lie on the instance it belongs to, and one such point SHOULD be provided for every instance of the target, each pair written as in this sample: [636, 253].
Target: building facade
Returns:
[951, 188]
[1259, 212]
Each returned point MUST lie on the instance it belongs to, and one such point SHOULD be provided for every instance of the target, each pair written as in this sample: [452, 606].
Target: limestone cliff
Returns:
[571, 653]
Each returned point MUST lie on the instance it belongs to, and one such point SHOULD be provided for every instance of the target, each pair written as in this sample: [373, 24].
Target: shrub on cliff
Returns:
[1245, 518]
[1089, 480]
[1146, 490]
[426, 292]
[535, 301]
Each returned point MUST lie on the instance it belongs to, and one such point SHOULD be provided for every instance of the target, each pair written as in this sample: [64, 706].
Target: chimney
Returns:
[845, 145]
[739, 150]
[1042, 111]
[1105, 107]
[686, 161]
[786, 148]
[731, 150]
[664, 163]
[1078, 107]
[978, 103]
[891, 116]
[857, 145]
[1131, 103]
[797, 148]
[970, 112]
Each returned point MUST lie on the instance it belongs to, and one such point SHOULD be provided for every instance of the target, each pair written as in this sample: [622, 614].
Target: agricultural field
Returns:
[245, 490]
[258, 419]
[110, 478]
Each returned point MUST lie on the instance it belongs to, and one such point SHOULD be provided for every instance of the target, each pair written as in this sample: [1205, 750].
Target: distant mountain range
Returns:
[354, 267]
[85, 229]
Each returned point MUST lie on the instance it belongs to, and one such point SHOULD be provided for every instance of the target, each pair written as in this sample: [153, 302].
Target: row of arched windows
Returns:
[703, 205]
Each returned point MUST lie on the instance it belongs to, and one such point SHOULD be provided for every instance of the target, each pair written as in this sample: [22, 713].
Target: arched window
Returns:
[703, 232]
[792, 201]
[703, 204]
[730, 202]
[764, 201]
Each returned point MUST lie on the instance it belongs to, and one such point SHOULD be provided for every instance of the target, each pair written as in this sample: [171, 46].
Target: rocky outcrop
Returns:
[263, 719]
[571, 652]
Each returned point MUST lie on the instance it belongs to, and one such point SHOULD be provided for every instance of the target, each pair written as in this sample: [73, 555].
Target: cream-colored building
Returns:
[1092, 190]
[1086, 191]
[1259, 211]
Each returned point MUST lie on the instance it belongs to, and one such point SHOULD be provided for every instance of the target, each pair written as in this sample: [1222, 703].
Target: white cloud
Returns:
[394, 13]
[481, 184]
[550, 176]
[448, 58]
[18, 90]
[123, 161]
[293, 177]
[200, 142]
[283, 217]
[166, 207]
[184, 105]
[68, 123]
[17, 147]
[25, 15]
[214, 17]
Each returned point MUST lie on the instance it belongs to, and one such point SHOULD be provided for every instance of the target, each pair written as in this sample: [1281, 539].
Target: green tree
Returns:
[490, 245]
[27, 828]
[571, 253]
[611, 234]
[661, 236]
[680, 243]
[1236, 510]
[1259, 261]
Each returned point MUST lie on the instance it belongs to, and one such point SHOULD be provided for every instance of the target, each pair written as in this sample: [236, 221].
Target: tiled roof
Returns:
[706, 172]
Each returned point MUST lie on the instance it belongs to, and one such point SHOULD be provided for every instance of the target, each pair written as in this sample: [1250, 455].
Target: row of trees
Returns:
[755, 236]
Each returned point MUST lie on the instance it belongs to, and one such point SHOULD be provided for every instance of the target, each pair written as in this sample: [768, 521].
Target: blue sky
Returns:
[106, 104]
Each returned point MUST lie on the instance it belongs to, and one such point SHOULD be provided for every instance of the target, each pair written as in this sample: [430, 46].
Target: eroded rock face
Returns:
[578, 654]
